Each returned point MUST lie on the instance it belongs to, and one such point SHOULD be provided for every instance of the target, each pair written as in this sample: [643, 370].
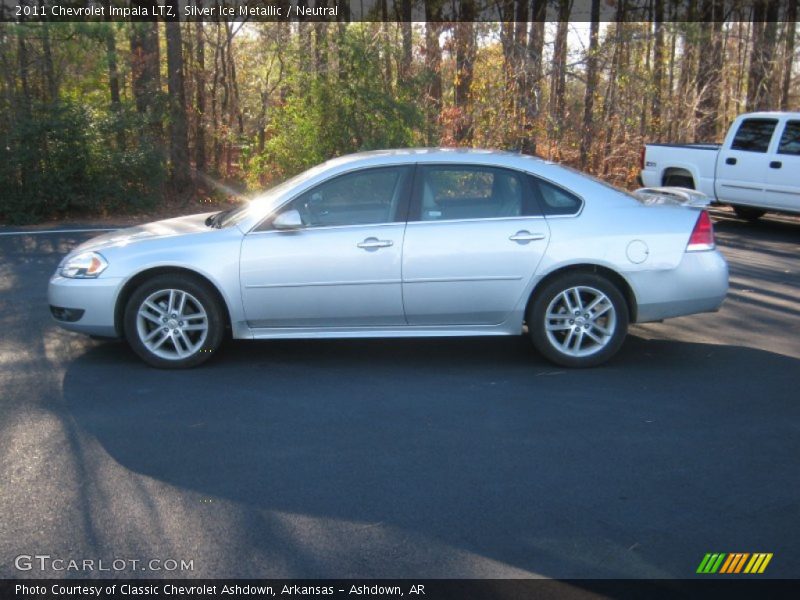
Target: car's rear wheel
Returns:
[173, 322]
[578, 320]
[747, 213]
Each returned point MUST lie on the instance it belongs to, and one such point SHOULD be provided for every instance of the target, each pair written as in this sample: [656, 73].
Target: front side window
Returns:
[790, 140]
[754, 135]
[369, 196]
[451, 192]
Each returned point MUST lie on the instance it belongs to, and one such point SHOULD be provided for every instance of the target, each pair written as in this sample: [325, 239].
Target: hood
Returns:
[148, 231]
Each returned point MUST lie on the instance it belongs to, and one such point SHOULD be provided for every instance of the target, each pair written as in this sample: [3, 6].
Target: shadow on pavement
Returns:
[478, 443]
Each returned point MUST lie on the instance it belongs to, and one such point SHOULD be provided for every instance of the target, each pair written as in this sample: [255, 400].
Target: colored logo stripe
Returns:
[735, 562]
[758, 563]
[711, 563]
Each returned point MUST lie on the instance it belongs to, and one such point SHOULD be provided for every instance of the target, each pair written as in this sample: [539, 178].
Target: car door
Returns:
[473, 242]
[341, 268]
[742, 163]
[783, 179]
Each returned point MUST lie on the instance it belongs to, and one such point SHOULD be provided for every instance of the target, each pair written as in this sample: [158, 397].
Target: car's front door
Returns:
[473, 242]
[341, 268]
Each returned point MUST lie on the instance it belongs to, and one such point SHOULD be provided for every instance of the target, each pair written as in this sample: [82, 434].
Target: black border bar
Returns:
[713, 586]
[386, 10]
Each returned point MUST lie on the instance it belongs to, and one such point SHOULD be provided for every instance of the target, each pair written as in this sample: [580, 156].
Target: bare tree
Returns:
[591, 85]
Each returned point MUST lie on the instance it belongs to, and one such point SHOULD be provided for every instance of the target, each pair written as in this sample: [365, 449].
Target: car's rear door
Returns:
[342, 268]
[474, 239]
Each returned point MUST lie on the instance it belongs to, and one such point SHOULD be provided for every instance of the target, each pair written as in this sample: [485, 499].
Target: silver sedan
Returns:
[402, 243]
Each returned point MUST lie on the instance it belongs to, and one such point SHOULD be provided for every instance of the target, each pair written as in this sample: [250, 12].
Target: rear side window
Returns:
[754, 135]
[790, 140]
[452, 192]
[555, 200]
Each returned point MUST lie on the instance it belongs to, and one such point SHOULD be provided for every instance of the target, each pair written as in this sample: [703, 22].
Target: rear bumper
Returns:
[84, 305]
[699, 284]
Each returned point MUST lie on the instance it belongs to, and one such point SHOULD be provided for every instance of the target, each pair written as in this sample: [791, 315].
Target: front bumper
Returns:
[84, 305]
[699, 284]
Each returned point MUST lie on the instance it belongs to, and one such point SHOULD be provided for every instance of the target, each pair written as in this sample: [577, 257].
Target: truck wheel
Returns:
[679, 181]
[747, 213]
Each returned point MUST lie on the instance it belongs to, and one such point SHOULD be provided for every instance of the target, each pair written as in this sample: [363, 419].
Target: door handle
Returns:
[526, 236]
[775, 164]
[372, 243]
[730, 161]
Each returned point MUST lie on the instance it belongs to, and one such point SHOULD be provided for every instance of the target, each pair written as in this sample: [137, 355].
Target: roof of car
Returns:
[430, 155]
[773, 113]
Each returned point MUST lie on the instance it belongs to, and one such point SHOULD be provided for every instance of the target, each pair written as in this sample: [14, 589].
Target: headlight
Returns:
[85, 265]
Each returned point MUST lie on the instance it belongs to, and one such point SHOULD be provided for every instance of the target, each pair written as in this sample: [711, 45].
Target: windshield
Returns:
[266, 201]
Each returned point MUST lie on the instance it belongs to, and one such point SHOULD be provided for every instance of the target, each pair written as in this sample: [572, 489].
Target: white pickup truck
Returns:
[755, 170]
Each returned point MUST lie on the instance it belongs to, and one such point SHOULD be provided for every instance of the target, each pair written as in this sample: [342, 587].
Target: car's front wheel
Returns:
[173, 322]
[578, 320]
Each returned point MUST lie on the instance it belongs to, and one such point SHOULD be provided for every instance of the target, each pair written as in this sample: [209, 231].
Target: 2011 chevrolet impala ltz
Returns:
[401, 243]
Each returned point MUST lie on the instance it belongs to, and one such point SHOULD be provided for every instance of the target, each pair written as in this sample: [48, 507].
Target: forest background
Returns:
[100, 119]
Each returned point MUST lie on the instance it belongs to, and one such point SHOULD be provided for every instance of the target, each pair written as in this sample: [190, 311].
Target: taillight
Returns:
[702, 237]
[641, 157]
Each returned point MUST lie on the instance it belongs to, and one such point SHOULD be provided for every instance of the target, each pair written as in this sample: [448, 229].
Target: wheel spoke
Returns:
[601, 311]
[578, 302]
[150, 317]
[152, 334]
[199, 315]
[181, 303]
[578, 341]
[161, 341]
[591, 335]
[154, 307]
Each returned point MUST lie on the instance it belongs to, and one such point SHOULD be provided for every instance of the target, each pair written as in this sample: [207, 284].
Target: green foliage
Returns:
[62, 158]
[347, 110]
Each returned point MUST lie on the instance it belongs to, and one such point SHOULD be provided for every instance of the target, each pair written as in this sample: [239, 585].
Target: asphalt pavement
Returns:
[408, 458]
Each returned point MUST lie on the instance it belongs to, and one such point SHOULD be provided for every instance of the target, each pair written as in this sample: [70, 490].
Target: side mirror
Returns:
[287, 220]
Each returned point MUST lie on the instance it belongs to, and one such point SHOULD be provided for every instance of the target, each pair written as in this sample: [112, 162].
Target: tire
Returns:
[168, 342]
[683, 181]
[748, 214]
[600, 337]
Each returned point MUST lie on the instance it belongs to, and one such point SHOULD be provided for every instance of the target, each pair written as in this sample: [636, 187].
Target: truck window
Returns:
[754, 135]
[790, 140]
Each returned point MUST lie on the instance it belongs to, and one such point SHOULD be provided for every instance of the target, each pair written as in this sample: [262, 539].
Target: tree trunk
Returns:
[709, 71]
[178, 138]
[145, 74]
[200, 97]
[529, 98]
[658, 71]
[465, 63]
[760, 83]
[433, 71]
[113, 80]
[558, 81]
[788, 52]
[405, 29]
[591, 85]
